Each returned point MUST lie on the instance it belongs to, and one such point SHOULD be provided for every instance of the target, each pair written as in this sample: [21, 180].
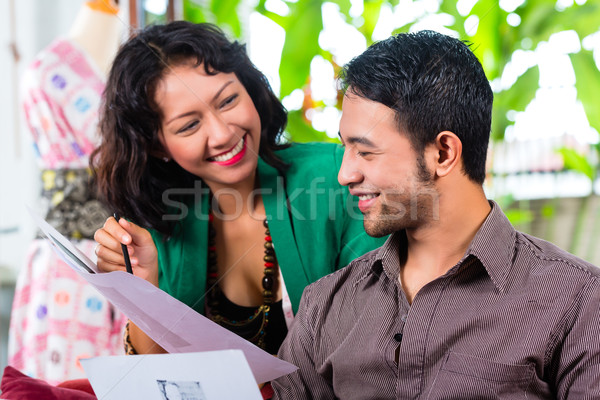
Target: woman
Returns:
[191, 152]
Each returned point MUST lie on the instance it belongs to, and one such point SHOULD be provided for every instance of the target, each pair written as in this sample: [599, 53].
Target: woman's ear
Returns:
[448, 153]
[158, 150]
[160, 154]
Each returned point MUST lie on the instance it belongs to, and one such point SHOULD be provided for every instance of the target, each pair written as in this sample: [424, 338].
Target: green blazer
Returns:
[320, 232]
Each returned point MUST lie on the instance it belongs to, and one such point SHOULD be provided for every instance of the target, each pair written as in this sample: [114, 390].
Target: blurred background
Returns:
[541, 57]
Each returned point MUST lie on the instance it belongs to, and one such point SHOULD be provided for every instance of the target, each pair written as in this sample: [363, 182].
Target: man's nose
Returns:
[349, 172]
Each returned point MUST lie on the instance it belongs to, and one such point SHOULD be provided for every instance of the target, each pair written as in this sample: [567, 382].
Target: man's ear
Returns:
[448, 153]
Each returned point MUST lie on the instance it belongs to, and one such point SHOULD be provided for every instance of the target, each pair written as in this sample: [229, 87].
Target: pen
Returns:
[124, 249]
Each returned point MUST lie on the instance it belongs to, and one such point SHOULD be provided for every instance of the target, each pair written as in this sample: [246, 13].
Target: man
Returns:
[456, 304]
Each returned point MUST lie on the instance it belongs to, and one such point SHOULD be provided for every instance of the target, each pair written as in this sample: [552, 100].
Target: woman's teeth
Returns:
[229, 155]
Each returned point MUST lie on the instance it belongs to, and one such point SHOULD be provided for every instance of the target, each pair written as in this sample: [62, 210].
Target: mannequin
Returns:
[57, 318]
[98, 19]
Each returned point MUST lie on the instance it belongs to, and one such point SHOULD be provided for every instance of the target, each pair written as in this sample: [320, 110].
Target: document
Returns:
[169, 322]
[211, 375]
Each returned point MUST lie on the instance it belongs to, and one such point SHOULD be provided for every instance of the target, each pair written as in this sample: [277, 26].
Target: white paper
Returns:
[169, 322]
[213, 375]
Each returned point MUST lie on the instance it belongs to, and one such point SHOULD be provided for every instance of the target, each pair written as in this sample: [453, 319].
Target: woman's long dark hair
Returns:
[128, 177]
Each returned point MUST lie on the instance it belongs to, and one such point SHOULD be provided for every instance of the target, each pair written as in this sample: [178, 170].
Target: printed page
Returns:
[213, 375]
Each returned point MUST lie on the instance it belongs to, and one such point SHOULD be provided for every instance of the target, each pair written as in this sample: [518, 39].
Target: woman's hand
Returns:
[142, 251]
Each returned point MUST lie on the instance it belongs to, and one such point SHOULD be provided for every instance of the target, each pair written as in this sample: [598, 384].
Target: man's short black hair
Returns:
[434, 83]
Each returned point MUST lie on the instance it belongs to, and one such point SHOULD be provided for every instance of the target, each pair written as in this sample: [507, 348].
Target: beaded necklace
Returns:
[254, 328]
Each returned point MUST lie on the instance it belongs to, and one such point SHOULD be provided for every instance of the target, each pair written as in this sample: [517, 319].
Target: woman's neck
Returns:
[238, 200]
[97, 31]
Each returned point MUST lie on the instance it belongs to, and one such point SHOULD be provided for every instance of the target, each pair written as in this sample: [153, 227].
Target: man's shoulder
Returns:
[546, 257]
[345, 278]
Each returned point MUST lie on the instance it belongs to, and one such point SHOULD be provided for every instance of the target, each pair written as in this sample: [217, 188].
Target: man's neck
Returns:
[435, 248]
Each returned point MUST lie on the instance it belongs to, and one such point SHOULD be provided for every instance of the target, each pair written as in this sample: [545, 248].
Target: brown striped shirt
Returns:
[516, 318]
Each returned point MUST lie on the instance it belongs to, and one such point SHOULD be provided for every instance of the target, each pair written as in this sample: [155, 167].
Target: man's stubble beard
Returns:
[406, 210]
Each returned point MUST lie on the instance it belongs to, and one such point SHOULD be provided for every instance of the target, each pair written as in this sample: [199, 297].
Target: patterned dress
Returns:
[57, 318]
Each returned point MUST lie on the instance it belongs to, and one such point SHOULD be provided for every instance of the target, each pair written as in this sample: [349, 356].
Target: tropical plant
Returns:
[502, 31]
[497, 30]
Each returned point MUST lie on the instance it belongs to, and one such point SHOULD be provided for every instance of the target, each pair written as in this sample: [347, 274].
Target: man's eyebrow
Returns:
[359, 140]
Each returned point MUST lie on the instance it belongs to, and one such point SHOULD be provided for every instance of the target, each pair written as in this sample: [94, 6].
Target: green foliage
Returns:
[548, 211]
[192, 11]
[494, 42]
[518, 216]
[370, 17]
[514, 99]
[302, 28]
[587, 85]
[302, 131]
[224, 13]
[576, 161]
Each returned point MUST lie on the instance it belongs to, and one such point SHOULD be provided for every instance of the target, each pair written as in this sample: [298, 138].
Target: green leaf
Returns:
[299, 129]
[449, 7]
[505, 201]
[372, 9]
[303, 26]
[193, 11]
[524, 89]
[587, 84]
[225, 12]
[516, 98]
[488, 42]
[540, 19]
[344, 6]
[536, 17]
[576, 161]
[548, 211]
[519, 217]
[278, 19]
[499, 122]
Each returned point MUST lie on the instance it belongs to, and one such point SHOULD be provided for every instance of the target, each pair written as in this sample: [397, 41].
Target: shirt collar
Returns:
[493, 245]
[388, 255]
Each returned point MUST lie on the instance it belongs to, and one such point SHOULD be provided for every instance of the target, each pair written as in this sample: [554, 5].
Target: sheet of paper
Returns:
[168, 321]
[213, 375]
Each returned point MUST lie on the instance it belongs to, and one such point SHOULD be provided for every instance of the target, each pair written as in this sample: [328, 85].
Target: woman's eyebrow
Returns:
[216, 96]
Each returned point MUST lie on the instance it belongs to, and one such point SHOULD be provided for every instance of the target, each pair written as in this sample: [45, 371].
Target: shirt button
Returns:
[403, 318]
[398, 337]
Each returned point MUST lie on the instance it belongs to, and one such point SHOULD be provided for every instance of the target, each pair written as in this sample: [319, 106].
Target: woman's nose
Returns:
[219, 132]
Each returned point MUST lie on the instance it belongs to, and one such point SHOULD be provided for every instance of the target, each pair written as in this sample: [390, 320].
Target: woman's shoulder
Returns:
[312, 155]
[315, 160]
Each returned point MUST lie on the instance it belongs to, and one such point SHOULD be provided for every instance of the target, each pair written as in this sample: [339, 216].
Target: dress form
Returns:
[97, 30]
[57, 318]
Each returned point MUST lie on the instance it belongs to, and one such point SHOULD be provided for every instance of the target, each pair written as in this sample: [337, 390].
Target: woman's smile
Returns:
[232, 156]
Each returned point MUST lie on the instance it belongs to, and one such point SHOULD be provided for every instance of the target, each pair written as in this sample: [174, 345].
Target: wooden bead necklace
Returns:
[254, 328]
